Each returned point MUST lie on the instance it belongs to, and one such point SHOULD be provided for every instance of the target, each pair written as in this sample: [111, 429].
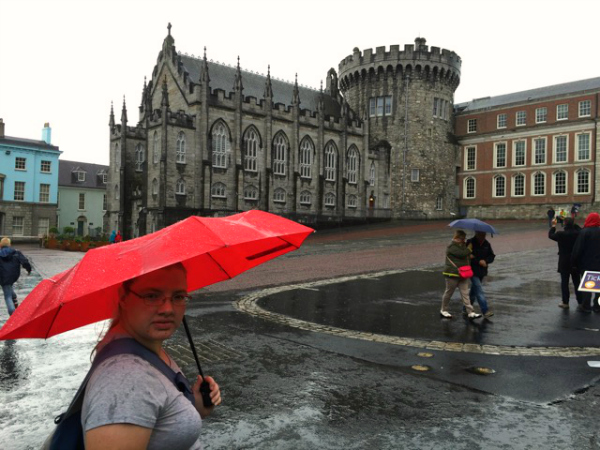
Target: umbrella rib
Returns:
[220, 266]
[54, 320]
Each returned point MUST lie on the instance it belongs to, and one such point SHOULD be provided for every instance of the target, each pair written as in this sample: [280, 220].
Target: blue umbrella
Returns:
[473, 224]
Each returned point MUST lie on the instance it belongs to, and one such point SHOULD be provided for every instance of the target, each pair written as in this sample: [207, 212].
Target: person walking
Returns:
[560, 217]
[482, 255]
[118, 237]
[586, 254]
[112, 237]
[457, 255]
[551, 214]
[11, 261]
[566, 241]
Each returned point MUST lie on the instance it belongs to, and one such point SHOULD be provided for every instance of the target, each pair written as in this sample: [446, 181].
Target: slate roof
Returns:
[21, 142]
[223, 77]
[582, 86]
[92, 180]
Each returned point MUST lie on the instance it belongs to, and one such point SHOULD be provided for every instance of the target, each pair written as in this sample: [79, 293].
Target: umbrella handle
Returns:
[204, 386]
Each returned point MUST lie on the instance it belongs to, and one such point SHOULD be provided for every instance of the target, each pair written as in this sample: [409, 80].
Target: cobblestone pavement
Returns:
[290, 381]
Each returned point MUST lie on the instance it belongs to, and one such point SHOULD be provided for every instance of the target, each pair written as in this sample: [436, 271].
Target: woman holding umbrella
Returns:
[127, 399]
[457, 255]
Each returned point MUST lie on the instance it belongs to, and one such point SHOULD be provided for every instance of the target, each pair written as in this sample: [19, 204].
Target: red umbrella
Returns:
[211, 249]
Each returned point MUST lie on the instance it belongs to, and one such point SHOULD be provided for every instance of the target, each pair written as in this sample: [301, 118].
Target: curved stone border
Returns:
[248, 305]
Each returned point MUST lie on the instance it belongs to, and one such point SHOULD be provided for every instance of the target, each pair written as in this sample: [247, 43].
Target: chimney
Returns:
[47, 134]
[1, 128]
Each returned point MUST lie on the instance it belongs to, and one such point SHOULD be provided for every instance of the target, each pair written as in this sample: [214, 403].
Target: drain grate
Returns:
[209, 351]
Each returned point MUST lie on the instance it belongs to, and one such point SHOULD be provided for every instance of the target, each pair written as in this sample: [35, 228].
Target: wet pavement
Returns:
[321, 354]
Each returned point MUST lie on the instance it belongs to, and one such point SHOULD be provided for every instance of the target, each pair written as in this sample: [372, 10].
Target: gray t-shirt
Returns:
[127, 389]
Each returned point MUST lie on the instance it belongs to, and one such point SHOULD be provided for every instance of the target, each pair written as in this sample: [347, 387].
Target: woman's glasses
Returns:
[159, 299]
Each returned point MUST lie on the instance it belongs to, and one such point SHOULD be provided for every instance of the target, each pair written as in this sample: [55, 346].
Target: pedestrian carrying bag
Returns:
[68, 434]
[463, 271]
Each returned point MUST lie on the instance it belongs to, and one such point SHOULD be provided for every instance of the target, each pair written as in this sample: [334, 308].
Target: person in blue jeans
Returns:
[482, 255]
[11, 261]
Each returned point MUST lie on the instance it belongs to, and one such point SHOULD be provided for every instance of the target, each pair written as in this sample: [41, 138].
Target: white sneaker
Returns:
[445, 314]
[474, 315]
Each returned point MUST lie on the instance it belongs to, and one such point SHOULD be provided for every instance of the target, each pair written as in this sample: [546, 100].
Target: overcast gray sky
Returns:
[63, 62]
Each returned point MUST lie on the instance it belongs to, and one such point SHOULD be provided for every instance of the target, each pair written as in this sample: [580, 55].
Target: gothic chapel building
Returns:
[214, 140]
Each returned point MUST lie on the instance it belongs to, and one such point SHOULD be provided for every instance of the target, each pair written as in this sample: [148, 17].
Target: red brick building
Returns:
[523, 152]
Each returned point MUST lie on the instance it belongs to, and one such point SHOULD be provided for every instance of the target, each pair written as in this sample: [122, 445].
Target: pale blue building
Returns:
[28, 184]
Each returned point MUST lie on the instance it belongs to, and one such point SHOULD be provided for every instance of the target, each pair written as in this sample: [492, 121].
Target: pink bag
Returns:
[465, 272]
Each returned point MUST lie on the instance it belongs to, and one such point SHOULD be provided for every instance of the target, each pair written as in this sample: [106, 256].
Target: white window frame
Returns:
[372, 107]
[466, 156]
[533, 185]
[20, 163]
[46, 166]
[496, 154]
[554, 183]
[352, 201]
[589, 181]
[251, 142]
[18, 226]
[521, 118]
[250, 193]
[330, 162]
[180, 187]
[279, 155]
[585, 108]
[81, 201]
[329, 199]
[80, 175]
[578, 148]
[534, 151]
[513, 188]
[279, 195]
[218, 190]
[541, 115]
[387, 105]
[501, 121]
[220, 146]
[180, 148]
[415, 175]
[495, 185]
[352, 165]
[19, 194]
[471, 126]
[555, 148]
[305, 198]
[466, 190]
[306, 155]
[43, 226]
[439, 203]
[562, 111]
[514, 152]
[44, 193]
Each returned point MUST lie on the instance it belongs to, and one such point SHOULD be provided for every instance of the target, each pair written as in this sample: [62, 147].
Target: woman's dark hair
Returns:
[569, 222]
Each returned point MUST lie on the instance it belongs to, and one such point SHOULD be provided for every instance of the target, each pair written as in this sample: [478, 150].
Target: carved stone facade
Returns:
[214, 140]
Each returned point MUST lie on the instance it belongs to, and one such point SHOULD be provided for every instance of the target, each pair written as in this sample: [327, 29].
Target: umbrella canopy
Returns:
[211, 249]
[473, 224]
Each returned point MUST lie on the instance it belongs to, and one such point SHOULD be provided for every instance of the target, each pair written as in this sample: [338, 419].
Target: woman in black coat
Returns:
[566, 241]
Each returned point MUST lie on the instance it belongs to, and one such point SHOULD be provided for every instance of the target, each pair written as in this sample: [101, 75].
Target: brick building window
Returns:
[19, 194]
[539, 148]
[180, 187]
[582, 141]
[218, 190]
[251, 151]
[44, 193]
[501, 121]
[306, 154]
[352, 201]
[472, 126]
[560, 149]
[18, 225]
[559, 183]
[352, 165]
[330, 199]
[519, 153]
[518, 187]
[279, 195]
[583, 182]
[279, 155]
[330, 163]
[541, 115]
[562, 112]
[469, 187]
[521, 118]
[220, 146]
[305, 198]
[539, 183]
[46, 166]
[470, 158]
[585, 108]
[81, 202]
[20, 163]
[500, 154]
[499, 186]
[180, 148]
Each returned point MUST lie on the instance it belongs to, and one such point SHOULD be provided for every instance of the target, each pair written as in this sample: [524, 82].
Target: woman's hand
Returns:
[215, 396]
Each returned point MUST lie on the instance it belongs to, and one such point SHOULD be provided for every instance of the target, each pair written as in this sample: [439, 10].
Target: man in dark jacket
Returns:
[11, 261]
[482, 255]
[566, 241]
[586, 254]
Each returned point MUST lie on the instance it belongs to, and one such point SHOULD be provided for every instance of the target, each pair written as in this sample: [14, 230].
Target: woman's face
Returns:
[153, 323]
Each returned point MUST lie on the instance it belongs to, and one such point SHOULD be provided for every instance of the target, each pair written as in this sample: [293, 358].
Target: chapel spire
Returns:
[124, 113]
[296, 93]
[111, 121]
[204, 77]
[237, 85]
[268, 86]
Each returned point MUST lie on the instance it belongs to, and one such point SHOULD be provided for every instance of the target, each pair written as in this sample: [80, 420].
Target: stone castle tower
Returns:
[407, 98]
